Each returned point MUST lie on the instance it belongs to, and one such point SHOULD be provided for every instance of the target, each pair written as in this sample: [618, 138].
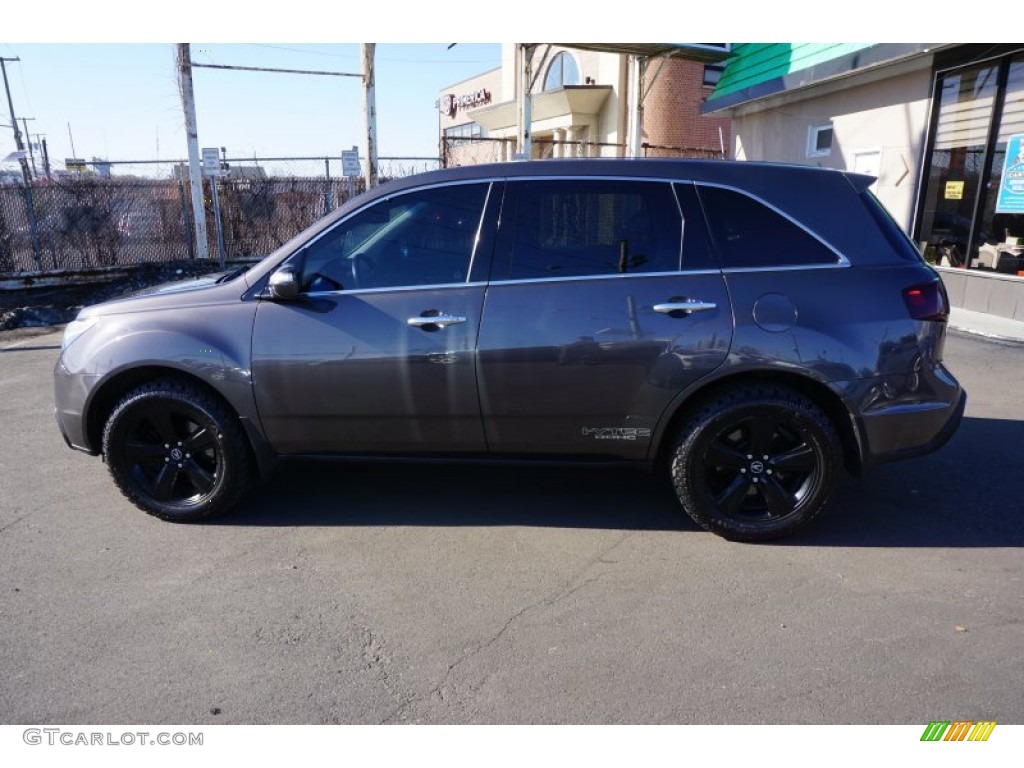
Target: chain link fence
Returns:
[84, 223]
[140, 211]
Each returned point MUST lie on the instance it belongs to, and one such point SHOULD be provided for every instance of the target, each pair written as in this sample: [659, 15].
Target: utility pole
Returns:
[14, 120]
[188, 104]
[370, 113]
[29, 208]
[28, 137]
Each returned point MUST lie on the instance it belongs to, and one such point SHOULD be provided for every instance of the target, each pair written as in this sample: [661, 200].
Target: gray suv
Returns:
[750, 328]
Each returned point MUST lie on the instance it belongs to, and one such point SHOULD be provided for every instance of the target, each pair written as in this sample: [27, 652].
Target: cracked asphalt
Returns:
[424, 594]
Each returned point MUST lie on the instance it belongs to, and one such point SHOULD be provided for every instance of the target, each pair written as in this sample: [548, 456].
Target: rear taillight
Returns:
[927, 302]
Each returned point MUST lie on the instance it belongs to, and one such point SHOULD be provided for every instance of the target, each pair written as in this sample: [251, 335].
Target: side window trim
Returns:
[485, 249]
[685, 192]
[841, 260]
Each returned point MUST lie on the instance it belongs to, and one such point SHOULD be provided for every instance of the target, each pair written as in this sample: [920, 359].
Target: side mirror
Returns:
[284, 283]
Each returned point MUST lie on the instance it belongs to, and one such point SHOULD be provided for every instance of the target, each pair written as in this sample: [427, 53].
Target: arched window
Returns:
[563, 71]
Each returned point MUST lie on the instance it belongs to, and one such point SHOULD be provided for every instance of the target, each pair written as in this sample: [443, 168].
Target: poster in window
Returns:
[1011, 188]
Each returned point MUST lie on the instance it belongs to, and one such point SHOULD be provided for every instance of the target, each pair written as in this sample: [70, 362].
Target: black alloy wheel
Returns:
[176, 451]
[756, 463]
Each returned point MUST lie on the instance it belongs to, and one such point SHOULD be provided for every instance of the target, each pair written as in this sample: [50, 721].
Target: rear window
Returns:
[901, 244]
[749, 234]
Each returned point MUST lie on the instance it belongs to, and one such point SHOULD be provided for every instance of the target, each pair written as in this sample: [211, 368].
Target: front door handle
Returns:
[437, 320]
[679, 307]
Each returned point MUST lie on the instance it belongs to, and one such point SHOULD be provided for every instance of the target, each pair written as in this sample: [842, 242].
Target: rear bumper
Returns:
[908, 431]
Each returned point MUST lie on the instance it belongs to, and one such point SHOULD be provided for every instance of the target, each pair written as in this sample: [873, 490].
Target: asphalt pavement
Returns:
[401, 594]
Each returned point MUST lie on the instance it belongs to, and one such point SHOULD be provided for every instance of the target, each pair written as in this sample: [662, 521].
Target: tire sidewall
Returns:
[688, 469]
[119, 428]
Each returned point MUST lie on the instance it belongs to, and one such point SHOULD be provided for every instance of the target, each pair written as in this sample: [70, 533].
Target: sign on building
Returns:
[954, 190]
[1011, 186]
[451, 103]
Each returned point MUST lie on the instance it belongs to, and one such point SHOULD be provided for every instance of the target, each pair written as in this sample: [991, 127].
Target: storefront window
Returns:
[1002, 220]
[966, 100]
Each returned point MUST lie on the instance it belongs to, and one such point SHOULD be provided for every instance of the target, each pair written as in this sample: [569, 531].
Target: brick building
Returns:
[583, 101]
[671, 107]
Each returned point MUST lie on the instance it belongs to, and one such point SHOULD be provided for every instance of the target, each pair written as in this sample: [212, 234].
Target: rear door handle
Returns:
[439, 320]
[676, 307]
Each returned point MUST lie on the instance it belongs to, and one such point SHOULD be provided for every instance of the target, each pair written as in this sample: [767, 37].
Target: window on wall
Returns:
[713, 73]
[458, 134]
[562, 71]
[819, 140]
[1002, 217]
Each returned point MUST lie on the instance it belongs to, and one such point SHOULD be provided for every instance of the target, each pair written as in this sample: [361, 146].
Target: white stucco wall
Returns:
[889, 115]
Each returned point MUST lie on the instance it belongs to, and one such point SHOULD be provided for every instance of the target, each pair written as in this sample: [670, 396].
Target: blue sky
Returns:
[122, 99]
[120, 95]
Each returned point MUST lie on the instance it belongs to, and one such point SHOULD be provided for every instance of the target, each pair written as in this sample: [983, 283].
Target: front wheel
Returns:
[756, 463]
[177, 452]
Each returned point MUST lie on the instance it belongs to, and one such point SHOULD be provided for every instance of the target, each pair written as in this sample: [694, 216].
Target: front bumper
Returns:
[70, 393]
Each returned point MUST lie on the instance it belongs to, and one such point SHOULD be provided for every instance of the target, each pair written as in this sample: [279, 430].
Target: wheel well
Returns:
[104, 401]
[829, 402]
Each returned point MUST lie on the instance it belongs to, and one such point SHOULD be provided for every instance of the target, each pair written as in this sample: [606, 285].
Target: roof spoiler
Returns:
[861, 181]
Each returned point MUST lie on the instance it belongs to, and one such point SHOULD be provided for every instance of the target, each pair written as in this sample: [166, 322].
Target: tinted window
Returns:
[421, 238]
[902, 245]
[590, 227]
[747, 233]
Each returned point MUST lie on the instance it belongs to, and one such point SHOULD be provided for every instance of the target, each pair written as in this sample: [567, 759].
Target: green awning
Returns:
[757, 70]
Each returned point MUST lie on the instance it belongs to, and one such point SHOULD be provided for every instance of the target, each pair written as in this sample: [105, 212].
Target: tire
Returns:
[756, 463]
[177, 451]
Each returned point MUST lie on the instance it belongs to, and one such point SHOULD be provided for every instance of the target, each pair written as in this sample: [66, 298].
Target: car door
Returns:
[378, 351]
[596, 316]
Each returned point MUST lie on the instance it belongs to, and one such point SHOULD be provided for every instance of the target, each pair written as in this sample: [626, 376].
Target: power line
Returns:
[284, 71]
[379, 58]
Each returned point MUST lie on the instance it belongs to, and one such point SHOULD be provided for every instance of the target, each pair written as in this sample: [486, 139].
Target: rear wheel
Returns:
[177, 452]
[756, 463]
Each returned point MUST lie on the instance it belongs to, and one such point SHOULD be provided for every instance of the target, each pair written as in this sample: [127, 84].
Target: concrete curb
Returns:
[986, 326]
[987, 335]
